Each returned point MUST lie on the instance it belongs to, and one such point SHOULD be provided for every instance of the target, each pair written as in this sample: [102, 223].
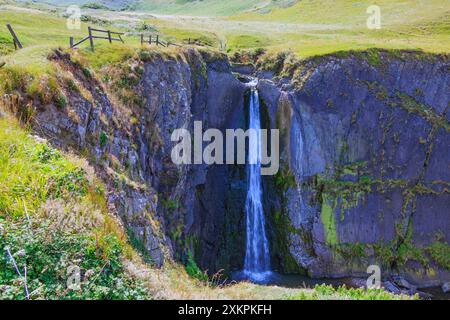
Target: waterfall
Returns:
[257, 257]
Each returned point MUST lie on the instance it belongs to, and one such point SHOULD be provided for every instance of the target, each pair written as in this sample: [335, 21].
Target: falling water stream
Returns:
[257, 256]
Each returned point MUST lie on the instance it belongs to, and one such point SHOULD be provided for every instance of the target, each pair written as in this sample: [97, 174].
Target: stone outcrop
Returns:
[367, 145]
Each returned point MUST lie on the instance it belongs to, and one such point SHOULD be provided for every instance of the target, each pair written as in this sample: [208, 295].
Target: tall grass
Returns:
[53, 215]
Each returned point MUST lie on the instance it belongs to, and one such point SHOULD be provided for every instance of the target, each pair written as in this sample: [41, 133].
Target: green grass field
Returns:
[409, 24]
[199, 8]
[308, 28]
[316, 27]
[39, 33]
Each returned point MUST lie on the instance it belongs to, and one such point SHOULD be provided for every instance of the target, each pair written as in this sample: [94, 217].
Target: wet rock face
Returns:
[211, 197]
[369, 150]
[197, 203]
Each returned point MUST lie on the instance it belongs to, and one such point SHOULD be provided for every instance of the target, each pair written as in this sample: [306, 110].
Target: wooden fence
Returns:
[157, 41]
[110, 36]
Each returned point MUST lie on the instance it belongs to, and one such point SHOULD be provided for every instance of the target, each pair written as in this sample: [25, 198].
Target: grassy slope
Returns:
[316, 27]
[29, 26]
[308, 28]
[406, 24]
[183, 7]
[111, 4]
[351, 12]
[53, 215]
[199, 8]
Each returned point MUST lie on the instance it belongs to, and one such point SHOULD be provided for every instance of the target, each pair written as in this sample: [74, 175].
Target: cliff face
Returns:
[365, 160]
[168, 210]
[368, 148]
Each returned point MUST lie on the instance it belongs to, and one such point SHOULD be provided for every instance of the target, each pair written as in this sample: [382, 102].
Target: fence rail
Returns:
[114, 36]
[111, 36]
[157, 41]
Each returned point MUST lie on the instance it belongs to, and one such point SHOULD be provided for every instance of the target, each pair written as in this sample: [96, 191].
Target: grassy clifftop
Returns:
[307, 28]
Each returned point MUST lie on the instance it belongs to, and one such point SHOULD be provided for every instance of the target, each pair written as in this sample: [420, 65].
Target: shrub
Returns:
[95, 5]
[193, 270]
[103, 139]
[60, 101]
[54, 259]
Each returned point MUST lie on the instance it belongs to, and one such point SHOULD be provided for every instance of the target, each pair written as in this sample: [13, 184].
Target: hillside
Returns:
[209, 7]
[307, 28]
[109, 4]
[353, 13]
[345, 12]
[182, 7]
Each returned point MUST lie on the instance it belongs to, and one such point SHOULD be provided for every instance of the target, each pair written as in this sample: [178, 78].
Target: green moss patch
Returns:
[328, 220]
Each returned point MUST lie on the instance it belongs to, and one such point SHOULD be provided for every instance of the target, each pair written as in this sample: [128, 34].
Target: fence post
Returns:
[71, 42]
[91, 40]
[157, 40]
[109, 36]
[142, 39]
[150, 40]
[15, 38]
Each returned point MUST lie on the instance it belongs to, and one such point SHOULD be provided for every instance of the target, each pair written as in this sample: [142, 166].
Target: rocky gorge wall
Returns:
[123, 124]
[366, 157]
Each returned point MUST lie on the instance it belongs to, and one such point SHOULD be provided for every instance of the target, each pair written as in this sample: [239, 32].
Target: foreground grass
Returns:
[54, 224]
[172, 282]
